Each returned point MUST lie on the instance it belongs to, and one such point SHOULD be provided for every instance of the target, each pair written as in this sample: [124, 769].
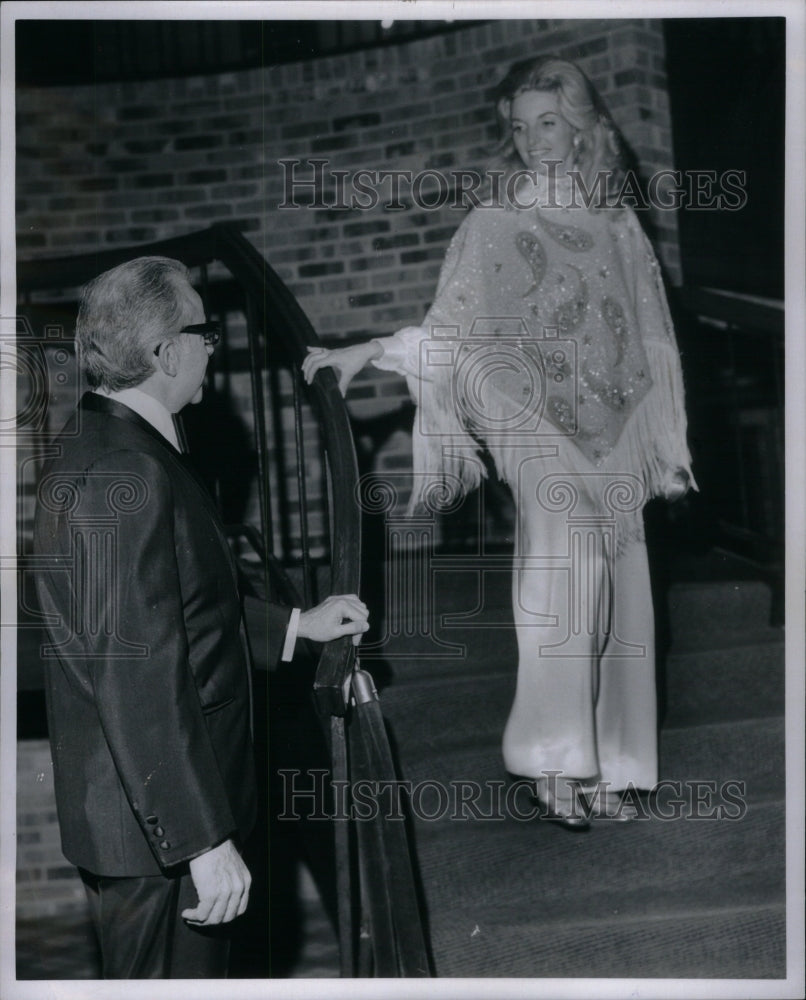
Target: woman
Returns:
[550, 343]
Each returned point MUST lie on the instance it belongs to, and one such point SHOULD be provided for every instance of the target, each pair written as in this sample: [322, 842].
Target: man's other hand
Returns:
[342, 614]
[222, 882]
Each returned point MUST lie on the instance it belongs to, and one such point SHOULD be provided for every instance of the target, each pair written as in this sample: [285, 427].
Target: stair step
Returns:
[732, 682]
[446, 652]
[750, 752]
[679, 897]
[697, 610]
[733, 944]
[742, 681]
[734, 639]
[456, 708]
[509, 876]
[703, 609]
[728, 675]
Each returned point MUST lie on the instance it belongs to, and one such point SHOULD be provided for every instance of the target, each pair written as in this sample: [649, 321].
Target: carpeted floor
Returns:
[676, 897]
[693, 896]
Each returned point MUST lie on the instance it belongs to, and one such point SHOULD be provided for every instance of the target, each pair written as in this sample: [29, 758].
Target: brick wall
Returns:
[46, 883]
[125, 163]
[119, 164]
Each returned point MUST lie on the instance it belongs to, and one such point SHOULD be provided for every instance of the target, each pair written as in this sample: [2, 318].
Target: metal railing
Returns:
[733, 357]
[380, 926]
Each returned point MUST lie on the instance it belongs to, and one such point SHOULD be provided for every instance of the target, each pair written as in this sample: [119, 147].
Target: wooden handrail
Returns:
[277, 324]
[49, 273]
[274, 308]
[264, 286]
[742, 314]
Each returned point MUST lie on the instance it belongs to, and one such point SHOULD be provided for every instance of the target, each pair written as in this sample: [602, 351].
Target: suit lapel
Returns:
[94, 402]
[186, 465]
[102, 404]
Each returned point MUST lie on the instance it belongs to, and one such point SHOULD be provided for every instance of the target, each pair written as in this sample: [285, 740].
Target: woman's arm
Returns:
[399, 353]
[663, 411]
[348, 361]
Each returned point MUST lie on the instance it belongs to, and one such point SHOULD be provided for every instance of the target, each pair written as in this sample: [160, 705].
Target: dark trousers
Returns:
[142, 934]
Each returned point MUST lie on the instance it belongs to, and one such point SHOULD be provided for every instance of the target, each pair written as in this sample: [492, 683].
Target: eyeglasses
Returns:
[210, 331]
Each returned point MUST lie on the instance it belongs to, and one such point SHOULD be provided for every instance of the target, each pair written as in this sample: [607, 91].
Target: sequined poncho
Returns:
[550, 329]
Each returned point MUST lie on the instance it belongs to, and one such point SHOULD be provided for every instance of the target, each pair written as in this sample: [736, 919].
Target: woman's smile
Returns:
[540, 133]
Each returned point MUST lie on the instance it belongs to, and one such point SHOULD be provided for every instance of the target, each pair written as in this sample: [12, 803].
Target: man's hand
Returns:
[222, 882]
[343, 614]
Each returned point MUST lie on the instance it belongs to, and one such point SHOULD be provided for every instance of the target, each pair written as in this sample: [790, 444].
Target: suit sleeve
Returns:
[139, 668]
[266, 623]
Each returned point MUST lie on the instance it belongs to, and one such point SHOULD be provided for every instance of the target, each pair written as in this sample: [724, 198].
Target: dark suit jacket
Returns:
[266, 623]
[147, 683]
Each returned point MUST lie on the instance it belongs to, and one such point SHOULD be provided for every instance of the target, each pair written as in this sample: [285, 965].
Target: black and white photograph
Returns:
[402, 483]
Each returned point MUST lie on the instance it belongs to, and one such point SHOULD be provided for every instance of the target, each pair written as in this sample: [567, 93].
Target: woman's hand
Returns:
[676, 486]
[348, 361]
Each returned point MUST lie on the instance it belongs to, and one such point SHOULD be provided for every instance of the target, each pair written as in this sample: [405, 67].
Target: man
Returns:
[147, 685]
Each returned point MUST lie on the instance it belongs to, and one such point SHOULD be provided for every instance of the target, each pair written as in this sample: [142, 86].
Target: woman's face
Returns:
[539, 131]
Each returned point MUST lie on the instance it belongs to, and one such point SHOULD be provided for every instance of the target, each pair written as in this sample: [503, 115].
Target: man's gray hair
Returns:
[123, 315]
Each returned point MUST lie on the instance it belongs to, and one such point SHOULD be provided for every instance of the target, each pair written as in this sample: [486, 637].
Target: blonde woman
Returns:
[550, 345]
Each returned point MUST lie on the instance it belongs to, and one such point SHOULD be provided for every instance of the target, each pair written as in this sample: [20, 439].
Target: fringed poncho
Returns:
[549, 330]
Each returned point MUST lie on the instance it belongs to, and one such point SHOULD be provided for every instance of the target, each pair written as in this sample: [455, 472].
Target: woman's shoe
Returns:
[609, 805]
[561, 812]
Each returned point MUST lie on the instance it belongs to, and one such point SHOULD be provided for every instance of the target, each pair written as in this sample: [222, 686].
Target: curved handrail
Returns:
[746, 316]
[380, 885]
[47, 273]
[274, 306]
[266, 288]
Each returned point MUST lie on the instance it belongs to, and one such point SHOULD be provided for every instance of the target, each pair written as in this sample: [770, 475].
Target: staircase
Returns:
[682, 898]
[693, 897]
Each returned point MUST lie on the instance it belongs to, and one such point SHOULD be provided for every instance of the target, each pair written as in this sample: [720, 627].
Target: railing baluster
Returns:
[385, 891]
[283, 515]
[302, 492]
[256, 368]
[268, 537]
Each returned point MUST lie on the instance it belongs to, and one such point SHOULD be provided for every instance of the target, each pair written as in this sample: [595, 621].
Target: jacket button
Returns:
[158, 831]
[165, 845]
[151, 819]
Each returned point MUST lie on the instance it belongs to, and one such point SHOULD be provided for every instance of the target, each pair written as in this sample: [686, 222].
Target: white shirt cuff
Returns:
[291, 636]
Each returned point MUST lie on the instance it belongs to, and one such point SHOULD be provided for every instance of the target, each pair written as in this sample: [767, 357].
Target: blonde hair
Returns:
[598, 146]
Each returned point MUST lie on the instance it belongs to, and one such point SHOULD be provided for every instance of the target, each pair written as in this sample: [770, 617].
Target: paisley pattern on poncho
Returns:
[549, 326]
[564, 285]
